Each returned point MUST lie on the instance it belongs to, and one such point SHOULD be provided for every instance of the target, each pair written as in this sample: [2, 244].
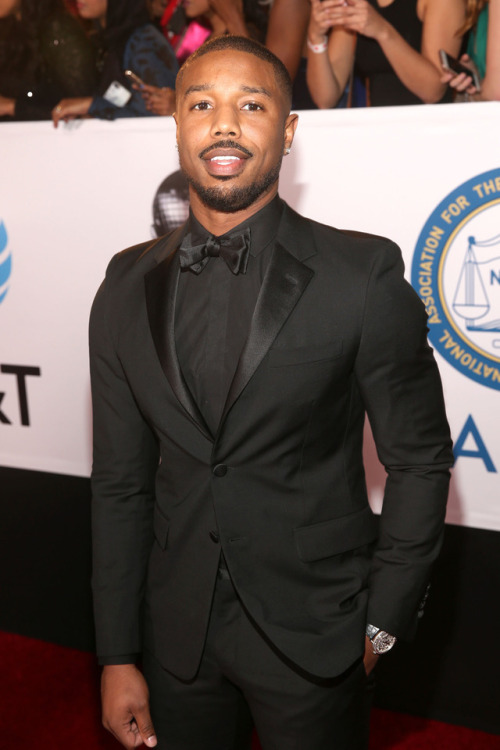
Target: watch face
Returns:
[383, 642]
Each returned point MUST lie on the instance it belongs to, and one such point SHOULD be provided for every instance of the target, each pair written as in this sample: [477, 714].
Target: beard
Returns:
[229, 199]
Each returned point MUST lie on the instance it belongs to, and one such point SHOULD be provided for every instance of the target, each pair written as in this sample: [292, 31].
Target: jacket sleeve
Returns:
[401, 389]
[123, 474]
[148, 55]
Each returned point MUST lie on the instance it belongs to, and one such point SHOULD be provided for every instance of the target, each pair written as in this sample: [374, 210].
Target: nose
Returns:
[226, 122]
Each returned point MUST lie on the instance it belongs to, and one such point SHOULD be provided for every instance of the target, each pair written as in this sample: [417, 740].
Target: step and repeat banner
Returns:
[427, 176]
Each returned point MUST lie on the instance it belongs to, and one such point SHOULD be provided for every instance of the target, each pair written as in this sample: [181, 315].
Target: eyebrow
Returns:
[195, 88]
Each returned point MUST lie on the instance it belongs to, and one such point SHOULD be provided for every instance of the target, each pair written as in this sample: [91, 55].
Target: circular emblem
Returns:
[456, 272]
[5, 262]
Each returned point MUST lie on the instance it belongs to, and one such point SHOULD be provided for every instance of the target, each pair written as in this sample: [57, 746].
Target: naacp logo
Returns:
[456, 271]
[5, 262]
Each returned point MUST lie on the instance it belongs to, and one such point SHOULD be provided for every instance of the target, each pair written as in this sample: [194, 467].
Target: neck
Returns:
[219, 222]
[216, 22]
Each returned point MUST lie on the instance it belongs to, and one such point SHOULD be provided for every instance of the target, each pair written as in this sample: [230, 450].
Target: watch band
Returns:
[371, 631]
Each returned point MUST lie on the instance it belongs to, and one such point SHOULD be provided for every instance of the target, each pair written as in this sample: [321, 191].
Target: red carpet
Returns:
[49, 701]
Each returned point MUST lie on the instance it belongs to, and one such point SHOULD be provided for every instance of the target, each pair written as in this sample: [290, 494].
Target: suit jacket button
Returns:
[214, 536]
[220, 470]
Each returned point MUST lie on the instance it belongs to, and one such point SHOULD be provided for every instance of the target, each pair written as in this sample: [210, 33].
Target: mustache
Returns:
[225, 144]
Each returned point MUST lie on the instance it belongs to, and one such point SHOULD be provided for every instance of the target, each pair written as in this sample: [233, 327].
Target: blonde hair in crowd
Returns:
[472, 10]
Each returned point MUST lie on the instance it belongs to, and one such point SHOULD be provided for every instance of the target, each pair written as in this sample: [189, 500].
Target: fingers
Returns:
[339, 14]
[322, 17]
[125, 706]
[145, 88]
[461, 82]
[142, 730]
[57, 114]
[146, 729]
[133, 727]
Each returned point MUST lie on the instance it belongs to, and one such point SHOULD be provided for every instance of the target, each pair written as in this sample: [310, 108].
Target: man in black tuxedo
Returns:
[232, 363]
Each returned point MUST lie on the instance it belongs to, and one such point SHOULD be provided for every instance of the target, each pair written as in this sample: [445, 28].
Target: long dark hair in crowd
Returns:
[19, 39]
[255, 18]
[122, 18]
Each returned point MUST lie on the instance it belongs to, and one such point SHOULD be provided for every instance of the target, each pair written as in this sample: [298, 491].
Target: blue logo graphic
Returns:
[5, 263]
[456, 272]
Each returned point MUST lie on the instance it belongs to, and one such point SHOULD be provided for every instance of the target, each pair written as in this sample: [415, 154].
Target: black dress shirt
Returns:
[214, 309]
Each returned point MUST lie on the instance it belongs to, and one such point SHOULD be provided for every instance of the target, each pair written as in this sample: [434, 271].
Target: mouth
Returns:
[225, 159]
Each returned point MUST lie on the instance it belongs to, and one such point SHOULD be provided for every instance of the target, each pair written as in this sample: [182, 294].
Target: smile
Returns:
[225, 159]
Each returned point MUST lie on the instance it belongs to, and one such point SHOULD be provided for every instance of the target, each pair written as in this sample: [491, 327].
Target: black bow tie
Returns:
[232, 247]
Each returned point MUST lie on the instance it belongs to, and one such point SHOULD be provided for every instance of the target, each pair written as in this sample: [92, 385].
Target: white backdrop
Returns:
[71, 198]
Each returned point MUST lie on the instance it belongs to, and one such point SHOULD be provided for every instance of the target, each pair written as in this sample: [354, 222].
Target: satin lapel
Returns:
[161, 290]
[283, 285]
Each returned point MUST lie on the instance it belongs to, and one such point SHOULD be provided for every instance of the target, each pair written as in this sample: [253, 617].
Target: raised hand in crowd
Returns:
[330, 55]
[159, 101]
[333, 29]
[357, 15]
[461, 82]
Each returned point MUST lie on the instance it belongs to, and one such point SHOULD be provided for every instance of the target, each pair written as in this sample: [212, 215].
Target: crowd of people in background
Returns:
[65, 59]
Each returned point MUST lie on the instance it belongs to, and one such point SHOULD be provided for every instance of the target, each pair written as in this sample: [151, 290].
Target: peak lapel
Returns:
[161, 291]
[283, 285]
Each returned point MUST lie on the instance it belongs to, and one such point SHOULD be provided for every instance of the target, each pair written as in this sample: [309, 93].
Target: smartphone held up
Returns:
[451, 65]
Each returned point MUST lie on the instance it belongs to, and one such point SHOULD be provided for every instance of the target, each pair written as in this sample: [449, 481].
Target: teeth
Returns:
[224, 159]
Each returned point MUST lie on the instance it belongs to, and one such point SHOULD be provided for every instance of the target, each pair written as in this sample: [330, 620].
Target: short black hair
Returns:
[242, 44]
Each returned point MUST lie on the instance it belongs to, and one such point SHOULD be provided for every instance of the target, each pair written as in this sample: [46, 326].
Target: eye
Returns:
[202, 106]
[252, 107]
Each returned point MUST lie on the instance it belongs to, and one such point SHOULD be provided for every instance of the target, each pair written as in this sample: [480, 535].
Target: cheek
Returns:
[272, 150]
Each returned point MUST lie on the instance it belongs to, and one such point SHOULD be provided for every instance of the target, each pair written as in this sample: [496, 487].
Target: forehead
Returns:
[227, 70]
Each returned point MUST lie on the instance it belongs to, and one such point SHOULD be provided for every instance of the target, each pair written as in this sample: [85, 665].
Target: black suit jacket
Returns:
[336, 332]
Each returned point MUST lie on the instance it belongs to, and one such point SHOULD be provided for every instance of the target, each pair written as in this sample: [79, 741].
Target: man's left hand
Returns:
[370, 659]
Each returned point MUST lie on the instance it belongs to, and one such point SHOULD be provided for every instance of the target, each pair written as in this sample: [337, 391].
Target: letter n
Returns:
[470, 428]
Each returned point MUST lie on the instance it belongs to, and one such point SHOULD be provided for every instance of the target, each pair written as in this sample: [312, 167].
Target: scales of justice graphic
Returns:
[472, 302]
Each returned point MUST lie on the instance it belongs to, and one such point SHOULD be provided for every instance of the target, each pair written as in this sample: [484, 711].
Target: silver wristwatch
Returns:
[381, 641]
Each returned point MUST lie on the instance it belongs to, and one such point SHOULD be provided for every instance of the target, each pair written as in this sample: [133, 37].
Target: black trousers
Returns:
[244, 682]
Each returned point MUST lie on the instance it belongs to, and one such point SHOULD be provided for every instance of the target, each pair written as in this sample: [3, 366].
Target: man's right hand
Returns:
[125, 705]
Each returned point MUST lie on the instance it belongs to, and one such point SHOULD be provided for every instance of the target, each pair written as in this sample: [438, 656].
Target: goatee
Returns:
[228, 199]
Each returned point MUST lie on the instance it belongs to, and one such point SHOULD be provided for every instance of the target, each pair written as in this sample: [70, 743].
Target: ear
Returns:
[175, 116]
[291, 123]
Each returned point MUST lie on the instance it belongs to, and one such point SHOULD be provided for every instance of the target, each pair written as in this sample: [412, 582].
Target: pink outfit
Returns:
[193, 37]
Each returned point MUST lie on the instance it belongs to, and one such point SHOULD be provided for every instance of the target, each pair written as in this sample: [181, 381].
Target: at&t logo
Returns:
[5, 262]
